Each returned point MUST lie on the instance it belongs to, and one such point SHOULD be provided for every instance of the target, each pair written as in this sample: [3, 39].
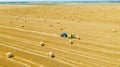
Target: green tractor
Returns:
[72, 35]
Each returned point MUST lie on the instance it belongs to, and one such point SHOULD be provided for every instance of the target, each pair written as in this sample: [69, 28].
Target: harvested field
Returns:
[23, 27]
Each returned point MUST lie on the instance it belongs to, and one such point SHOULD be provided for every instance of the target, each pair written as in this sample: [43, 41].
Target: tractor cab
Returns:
[64, 34]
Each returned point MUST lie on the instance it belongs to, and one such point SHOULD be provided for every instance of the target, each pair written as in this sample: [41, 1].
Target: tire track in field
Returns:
[28, 61]
[35, 54]
[37, 32]
[55, 35]
[18, 62]
[39, 52]
[75, 41]
[78, 46]
[102, 39]
[36, 51]
[67, 51]
[16, 58]
[109, 44]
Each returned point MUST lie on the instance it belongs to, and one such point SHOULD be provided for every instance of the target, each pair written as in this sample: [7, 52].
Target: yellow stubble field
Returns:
[23, 27]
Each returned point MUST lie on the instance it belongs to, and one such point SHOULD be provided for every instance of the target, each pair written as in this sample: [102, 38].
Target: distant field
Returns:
[63, 3]
[23, 27]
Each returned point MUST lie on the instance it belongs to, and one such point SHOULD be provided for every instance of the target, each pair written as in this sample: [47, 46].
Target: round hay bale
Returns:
[58, 23]
[25, 20]
[51, 54]
[51, 25]
[78, 37]
[10, 22]
[22, 26]
[70, 41]
[16, 18]
[64, 17]
[42, 44]
[9, 54]
[104, 14]
[114, 30]
[37, 16]
[19, 16]
[45, 20]
[61, 28]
